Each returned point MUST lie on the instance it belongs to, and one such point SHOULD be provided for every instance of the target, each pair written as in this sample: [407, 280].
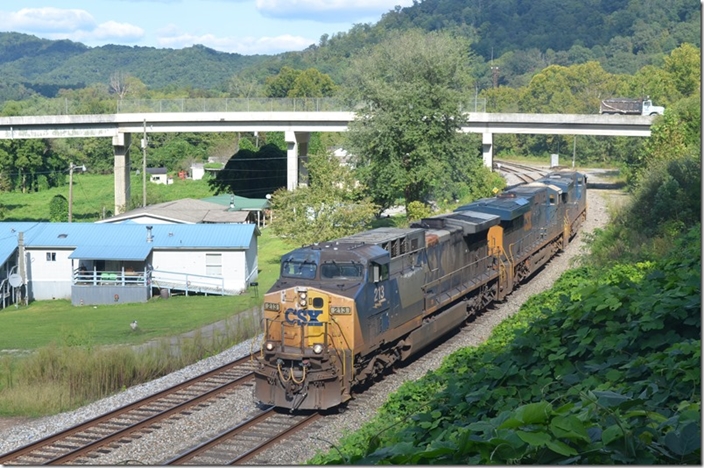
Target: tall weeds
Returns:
[63, 377]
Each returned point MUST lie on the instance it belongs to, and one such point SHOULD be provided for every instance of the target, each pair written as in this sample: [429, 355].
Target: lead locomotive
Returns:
[345, 310]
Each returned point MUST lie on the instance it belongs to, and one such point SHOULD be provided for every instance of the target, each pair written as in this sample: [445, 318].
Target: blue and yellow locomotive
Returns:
[343, 311]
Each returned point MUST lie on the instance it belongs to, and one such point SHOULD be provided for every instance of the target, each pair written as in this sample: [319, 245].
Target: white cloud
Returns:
[328, 10]
[46, 20]
[172, 37]
[115, 30]
[76, 25]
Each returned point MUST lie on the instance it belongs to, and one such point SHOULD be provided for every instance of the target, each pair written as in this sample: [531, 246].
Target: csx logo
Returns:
[303, 317]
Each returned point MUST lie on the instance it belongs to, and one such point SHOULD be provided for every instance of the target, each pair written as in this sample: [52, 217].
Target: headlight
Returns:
[302, 302]
[269, 345]
[303, 295]
[317, 348]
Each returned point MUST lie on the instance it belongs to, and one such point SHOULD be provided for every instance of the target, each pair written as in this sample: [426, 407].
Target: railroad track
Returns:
[84, 442]
[248, 440]
[525, 173]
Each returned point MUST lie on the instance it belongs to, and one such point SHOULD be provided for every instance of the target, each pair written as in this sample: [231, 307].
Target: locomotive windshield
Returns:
[298, 269]
[341, 270]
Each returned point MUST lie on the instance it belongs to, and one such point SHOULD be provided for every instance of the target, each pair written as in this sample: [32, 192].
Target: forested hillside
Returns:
[45, 66]
[518, 37]
[522, 36]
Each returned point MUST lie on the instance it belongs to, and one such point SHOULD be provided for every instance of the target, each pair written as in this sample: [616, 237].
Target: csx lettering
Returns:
[303, 317]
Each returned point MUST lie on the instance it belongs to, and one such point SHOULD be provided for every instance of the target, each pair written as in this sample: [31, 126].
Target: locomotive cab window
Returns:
[340, 270]
[564, 197]
[379, 272]
[552, 199]
[298, 269]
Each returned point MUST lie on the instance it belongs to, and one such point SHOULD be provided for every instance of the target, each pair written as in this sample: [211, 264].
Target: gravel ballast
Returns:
[178, 435]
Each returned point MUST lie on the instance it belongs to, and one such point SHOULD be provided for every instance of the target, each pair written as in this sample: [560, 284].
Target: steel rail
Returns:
[82, 427]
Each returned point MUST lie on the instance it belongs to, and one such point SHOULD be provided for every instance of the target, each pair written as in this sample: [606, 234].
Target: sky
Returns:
[246, 27]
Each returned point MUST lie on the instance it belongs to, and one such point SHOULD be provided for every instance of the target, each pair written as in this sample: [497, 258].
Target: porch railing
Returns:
[111, 277]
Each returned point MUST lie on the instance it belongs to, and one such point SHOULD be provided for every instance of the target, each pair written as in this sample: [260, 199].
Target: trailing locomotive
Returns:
[343, 311]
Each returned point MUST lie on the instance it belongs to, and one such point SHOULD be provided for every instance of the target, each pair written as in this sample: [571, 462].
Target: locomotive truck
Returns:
[344, 311]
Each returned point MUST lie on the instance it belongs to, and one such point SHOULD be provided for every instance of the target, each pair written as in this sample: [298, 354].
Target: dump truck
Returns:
[625, 106]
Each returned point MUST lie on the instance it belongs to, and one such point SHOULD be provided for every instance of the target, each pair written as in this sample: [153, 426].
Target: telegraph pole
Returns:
[71, 167]
[70, 191]
[144, 166]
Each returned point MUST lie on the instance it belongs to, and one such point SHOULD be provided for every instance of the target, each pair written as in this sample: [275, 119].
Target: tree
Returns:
[312, 84]
[279, 86]
[406, 135]
[122, 84]
[684, 65]
[331, 206]
[292, 83]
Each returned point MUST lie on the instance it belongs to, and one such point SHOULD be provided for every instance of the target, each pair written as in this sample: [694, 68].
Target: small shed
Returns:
[159, 175]
[259, 207]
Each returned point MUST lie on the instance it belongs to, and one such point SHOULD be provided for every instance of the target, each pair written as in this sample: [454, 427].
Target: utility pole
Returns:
[71, 167]
[144, 166]
[70, 191]
[494, 71]
[574, 150]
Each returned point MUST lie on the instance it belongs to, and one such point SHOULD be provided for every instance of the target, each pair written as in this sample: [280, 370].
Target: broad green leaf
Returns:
[561, 448]
[610, 434]
[685, 441]
[534, 413]
[535, 439]
[569, 427]
[609, 398]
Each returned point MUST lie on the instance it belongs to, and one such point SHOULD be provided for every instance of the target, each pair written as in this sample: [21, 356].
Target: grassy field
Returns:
[94, 196]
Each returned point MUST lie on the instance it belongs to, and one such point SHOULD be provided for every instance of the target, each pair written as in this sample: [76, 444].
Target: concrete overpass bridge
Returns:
[297, 126]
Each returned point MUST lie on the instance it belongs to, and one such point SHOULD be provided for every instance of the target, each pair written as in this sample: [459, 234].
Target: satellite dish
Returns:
[15, 280]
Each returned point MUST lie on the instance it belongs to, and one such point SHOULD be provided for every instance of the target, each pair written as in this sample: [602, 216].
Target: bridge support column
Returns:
[488, 149]
[296, 156]
[121, 148]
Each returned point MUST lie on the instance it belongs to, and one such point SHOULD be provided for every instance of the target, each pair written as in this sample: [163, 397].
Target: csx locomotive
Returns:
[343, 311]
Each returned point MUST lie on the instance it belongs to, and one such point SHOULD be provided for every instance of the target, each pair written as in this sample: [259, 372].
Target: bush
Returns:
[58, 209]
[417, 210]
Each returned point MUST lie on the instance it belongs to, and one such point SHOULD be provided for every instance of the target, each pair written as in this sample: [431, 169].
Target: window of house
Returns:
[51, 256]
[213, 264]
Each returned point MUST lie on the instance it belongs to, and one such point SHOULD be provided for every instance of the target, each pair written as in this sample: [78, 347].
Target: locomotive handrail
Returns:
[344, 337]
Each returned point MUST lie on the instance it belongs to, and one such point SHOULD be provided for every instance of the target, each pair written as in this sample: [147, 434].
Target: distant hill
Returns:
[519, 36]
[45, 66]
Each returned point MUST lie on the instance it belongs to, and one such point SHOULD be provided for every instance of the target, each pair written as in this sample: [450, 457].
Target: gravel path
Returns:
[178, 435]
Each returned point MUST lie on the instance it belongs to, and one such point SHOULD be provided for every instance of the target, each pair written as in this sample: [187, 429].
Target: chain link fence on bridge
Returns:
[233, 105]
[63, 106]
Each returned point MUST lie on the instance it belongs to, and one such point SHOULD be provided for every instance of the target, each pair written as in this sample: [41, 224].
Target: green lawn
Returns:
[94, 194]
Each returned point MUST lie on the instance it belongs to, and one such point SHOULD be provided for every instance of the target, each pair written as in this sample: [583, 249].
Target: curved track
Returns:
[523, 172]
[81, 443]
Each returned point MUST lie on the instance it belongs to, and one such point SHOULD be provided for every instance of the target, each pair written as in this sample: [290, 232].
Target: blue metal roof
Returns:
[130, 238]
[9, 233]
[114, 252]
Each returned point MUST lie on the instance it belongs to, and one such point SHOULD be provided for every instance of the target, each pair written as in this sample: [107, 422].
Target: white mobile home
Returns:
[107, 263]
